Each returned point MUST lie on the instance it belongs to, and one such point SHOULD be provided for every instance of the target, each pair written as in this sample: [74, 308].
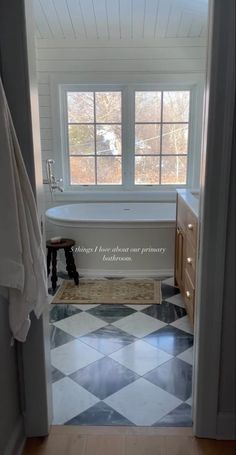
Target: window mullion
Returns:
[128, 137]
[161, 139]
[95, 138]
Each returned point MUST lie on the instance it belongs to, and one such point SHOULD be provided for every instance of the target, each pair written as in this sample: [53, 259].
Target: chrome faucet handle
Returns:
[52, 181]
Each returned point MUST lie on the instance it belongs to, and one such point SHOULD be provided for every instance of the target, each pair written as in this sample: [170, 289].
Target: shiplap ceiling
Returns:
[120, 19]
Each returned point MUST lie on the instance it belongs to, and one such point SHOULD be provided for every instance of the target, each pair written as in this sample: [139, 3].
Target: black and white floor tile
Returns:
[122, 364]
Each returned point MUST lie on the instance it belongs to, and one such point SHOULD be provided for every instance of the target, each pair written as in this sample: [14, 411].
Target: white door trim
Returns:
[214, 198]
[213, 224]
[36, 362]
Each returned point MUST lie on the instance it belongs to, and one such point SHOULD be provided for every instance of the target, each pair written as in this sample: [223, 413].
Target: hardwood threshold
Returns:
[119, 430]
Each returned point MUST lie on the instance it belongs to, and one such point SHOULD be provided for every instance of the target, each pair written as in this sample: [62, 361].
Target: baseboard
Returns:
[126, 273]
[17, 440]
[226, 426]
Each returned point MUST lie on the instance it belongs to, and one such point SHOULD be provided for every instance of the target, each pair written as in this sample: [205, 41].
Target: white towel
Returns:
[22, 260]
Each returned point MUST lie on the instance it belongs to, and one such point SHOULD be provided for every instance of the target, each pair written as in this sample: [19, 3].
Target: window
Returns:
[161, 137]
[126, 138]
[94, 138]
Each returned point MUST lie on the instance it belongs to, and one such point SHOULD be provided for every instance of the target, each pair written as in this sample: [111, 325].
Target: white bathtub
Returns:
[118, 239]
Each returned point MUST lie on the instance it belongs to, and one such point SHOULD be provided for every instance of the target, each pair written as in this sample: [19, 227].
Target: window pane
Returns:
[175, 138]
[176, 106]
[81, 139]
[147, 139]
[109, 170]
[108, 107]
[82, 170]
[108, 139]
[148, 106]
[147, 170]
[80, 107]
[174, 170]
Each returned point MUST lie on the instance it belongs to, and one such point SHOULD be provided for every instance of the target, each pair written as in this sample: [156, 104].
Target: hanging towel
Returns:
[22, 259]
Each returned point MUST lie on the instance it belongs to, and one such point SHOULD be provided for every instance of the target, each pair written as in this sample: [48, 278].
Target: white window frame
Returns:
[128, 190]
[64, 134]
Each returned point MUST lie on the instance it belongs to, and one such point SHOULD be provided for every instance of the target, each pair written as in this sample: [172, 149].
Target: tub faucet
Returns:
[51, 180]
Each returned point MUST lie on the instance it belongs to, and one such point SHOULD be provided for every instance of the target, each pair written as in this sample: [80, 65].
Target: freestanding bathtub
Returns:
[118, 239]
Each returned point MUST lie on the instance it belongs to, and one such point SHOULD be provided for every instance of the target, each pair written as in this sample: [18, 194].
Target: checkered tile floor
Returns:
[122, 364]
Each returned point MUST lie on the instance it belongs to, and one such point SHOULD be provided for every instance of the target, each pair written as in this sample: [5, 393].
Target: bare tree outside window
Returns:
[95, 138]
[161, 137]
[94, 120]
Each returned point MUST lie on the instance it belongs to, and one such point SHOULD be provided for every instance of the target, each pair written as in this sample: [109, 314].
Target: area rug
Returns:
[136, 292]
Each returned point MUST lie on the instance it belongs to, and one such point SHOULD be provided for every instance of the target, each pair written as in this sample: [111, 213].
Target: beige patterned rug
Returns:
[136, 292]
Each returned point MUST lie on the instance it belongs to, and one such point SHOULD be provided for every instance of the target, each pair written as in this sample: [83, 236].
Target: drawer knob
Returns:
[188, 295]
[190, 226]
[189, 261]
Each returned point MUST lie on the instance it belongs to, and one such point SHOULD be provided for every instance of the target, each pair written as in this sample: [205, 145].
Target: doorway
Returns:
[203, 419]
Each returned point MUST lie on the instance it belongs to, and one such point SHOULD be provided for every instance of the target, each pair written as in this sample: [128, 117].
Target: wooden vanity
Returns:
[186, 247]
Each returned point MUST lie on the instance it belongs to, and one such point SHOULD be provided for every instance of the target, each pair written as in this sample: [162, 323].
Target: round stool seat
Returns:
[64, 243]
[53, 247]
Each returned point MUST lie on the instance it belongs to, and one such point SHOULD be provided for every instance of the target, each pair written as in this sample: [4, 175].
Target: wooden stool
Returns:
[66, 245]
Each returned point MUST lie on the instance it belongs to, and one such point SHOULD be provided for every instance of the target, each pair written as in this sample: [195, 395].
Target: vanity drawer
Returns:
[190, 263]
[191, 228]
[189, 297]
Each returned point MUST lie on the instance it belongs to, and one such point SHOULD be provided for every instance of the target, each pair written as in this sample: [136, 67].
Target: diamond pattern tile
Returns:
[122, 364]
[168, 291]
[85, 306]
[100, 415]
[177, 300]
[166, 312]
[179, 417]
[80, 324]
[170, 281]
[69, 357]
[58, 337]
[187, 356]
[140, 357]
[56, 374]
[61, 311]
[110, 377]
[111, 313]
[170, 339]
[138, 307]
[142, 402]
[108, 339]
[180, 372]
[70, 399]
[183, 324]
[139, 324]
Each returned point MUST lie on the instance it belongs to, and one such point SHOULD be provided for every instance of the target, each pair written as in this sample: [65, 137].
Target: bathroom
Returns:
[121, 83]
[122, 365]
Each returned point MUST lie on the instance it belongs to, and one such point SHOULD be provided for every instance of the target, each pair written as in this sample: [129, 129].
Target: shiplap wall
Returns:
[165, 56]
[122, 19]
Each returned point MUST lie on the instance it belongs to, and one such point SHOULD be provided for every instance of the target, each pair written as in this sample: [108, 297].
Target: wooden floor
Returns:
[75, 440]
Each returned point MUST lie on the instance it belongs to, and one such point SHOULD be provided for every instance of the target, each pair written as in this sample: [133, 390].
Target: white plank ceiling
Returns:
[91, 20]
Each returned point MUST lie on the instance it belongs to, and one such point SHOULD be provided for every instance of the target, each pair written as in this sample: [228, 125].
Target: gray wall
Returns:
[227, 392]
[11, 421]
[14, 72]
[10, 413]
[17, 61]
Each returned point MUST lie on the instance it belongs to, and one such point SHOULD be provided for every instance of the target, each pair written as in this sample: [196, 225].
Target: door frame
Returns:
[213, 221]
[214, 194]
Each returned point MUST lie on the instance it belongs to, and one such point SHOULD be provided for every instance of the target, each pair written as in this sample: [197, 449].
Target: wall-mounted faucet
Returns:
[51, 180]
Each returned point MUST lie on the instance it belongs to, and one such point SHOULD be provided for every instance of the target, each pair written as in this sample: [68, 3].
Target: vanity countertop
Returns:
[191, 198]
